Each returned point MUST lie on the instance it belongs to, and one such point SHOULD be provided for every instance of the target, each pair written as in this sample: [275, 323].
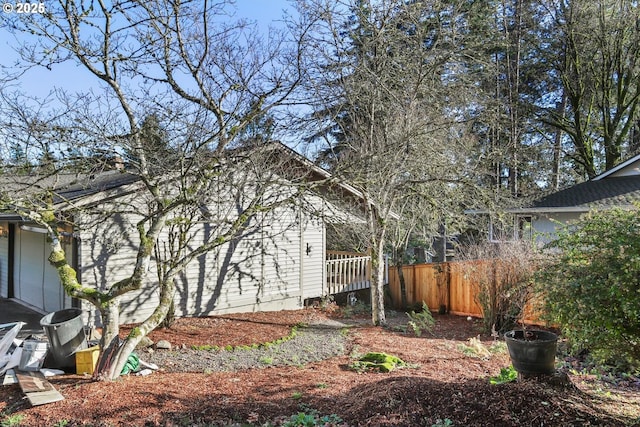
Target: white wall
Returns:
[263, 270]
[313, 264]
[545, 225]
[4, 263]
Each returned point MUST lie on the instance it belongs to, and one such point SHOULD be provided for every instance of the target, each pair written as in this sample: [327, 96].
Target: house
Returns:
[278, 262]
[618, 187]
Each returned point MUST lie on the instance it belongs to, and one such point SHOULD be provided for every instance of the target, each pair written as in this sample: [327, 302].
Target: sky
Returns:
[69, 76]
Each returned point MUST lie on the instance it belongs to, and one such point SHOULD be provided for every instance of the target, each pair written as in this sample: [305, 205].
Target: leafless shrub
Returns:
[503, 276]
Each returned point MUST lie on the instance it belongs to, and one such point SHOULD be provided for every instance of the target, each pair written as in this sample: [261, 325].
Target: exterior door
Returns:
[36, 282]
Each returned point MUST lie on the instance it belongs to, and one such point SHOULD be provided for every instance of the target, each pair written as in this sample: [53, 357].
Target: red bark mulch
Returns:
[442, 383]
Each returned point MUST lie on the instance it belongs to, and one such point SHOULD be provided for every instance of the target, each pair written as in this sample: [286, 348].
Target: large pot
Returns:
[532, 352]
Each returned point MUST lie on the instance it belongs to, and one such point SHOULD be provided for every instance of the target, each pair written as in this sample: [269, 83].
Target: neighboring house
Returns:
[278, 263]
[618, 187]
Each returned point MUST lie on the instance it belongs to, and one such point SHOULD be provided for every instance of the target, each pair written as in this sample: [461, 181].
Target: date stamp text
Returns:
[24, 7]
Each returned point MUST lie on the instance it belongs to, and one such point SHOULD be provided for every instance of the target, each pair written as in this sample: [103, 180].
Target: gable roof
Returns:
[79, 188]
[93, 185]
[628, 167]
[607, 193]
[67, 188]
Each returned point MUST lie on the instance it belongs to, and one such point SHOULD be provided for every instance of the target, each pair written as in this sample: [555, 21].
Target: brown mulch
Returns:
[442, 383]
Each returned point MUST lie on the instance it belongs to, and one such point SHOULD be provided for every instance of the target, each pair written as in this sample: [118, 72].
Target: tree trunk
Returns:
[557, 144]
[403, 284]
[398, 262]
[110, 316]
[167, 290]
[377, 281]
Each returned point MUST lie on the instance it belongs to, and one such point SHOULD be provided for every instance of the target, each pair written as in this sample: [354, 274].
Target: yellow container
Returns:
[87, 359]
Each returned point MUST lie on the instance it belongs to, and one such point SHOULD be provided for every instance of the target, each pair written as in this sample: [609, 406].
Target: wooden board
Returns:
[37, 389]
[10, 377]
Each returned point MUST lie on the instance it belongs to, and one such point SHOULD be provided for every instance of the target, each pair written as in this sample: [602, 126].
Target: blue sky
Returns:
[69, 76]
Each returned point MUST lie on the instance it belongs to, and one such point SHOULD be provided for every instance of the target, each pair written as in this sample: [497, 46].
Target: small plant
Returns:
[61, 423]
[297, 395]
[506, 375]
[350, 311]
[12, 420]
[475, 348]
[443, 423]
[266, 360]
[311, 418]
[421, 321]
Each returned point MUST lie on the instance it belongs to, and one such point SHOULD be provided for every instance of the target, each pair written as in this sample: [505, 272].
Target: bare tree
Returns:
[177, 83]
[380, 77]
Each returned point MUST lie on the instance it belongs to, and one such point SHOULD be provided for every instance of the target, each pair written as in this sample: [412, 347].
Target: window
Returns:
[513, 227]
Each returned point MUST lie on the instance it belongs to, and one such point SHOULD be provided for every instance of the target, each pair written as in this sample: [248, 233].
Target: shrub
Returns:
[503, 273]
[591, 286]
[421, 321]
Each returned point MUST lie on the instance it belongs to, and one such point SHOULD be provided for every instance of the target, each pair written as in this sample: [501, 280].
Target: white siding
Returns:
[4, 263]
[281, 253]
[107, 255]
[261, 270]
[313, 263]
[545, 225]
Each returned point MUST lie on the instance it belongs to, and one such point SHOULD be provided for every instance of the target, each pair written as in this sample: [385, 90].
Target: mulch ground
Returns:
[446, 383]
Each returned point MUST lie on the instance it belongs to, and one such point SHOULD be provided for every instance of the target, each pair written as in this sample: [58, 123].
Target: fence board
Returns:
[463, 291]
[447, 284]
[436, 284]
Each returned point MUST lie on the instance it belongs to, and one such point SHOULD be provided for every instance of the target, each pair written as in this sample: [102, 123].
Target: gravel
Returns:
[311, 343]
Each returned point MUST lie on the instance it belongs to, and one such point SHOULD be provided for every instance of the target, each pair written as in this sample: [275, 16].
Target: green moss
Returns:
[382, 362]
[292, 334]
[146, 243]
[56, 257]
[135, 332]
[48, 216]
[206, 347]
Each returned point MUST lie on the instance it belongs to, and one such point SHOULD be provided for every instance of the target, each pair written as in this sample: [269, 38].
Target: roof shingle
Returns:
[606, 193]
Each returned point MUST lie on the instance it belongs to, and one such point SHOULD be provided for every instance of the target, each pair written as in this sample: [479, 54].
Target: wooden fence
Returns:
[439, 285]
[449, 285]
[347, 271]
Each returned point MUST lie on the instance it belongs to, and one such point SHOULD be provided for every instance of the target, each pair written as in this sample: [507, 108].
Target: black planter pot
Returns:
[533, 354]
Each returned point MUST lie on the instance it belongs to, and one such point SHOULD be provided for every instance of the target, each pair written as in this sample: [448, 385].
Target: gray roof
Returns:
[606, 193]
[90, 185]
[65, 187]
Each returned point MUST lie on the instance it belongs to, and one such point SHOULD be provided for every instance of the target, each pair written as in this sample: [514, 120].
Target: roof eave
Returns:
[561, 209]
[616, 168]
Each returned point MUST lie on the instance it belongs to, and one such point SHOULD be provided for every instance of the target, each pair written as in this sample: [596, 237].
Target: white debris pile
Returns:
[10, 347]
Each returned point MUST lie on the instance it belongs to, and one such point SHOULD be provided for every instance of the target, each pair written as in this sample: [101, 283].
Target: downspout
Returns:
[301, 257]
[76, 248]
[11, 293]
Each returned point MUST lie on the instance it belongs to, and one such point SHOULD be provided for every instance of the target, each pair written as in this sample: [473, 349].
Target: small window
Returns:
[525, 228]
[517, 227]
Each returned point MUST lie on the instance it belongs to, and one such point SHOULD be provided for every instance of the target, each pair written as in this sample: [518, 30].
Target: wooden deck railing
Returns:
[347, 271]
